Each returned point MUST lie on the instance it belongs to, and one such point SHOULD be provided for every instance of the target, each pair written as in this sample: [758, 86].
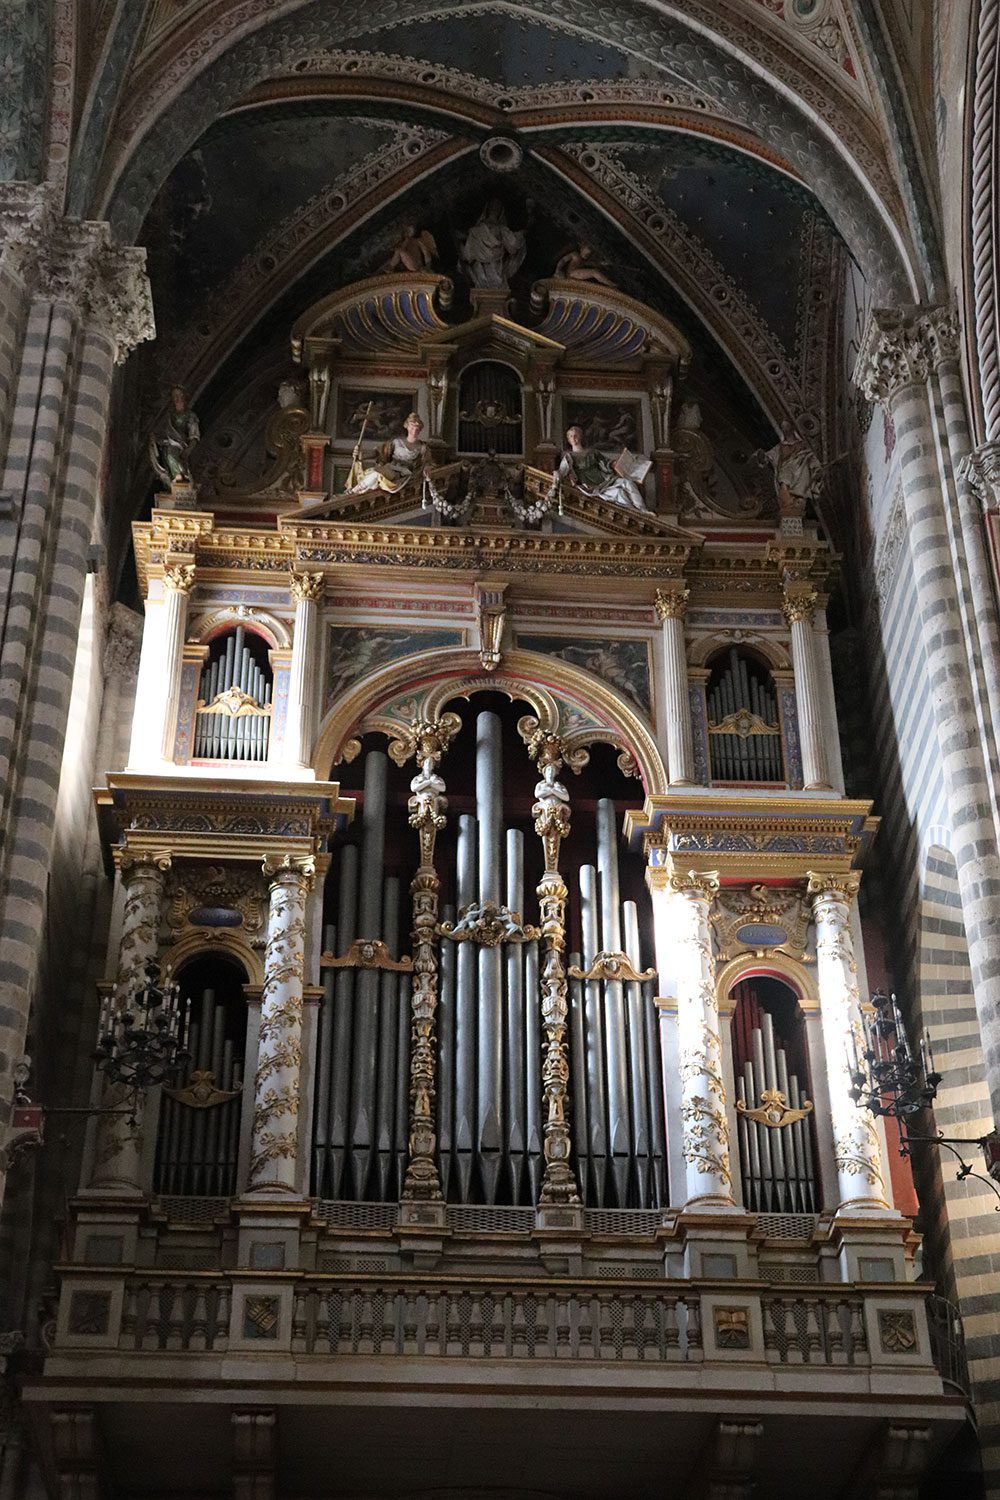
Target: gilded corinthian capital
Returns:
[671, 601]
[704, 883]
[841, 886]
[306, 586]
[179, 577]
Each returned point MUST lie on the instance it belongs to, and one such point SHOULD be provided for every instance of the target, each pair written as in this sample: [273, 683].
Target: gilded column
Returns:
[799, 608]
[428, 741]
[894, 365]
[551, 813]
[705, 1133]
[307, 591]
[671, 607]
[178, 581]
[860, 1184]
[116, 1166]
[275, 1134]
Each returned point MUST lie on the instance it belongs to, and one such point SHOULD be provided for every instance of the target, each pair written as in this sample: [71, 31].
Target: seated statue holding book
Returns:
[594, 474]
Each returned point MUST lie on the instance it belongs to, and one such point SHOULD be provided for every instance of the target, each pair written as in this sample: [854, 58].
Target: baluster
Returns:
[130, 1317]
[299, 1317]
[198, 1336]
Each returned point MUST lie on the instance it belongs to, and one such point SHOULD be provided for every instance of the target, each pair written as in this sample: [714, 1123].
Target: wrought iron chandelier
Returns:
[889, 1078]
[139, 1033]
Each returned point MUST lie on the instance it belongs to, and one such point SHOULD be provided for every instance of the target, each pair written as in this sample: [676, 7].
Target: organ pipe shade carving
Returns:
[744, 732]
[233, 715]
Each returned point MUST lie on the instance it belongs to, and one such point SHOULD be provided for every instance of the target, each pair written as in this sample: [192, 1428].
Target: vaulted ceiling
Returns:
[721, 157]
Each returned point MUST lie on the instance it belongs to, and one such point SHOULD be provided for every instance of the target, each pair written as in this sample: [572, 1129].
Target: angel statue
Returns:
[169, 450]
[593, 473]
[414, 252]
[579, 265]
[397, 462]
[798, 473]
[491, 252]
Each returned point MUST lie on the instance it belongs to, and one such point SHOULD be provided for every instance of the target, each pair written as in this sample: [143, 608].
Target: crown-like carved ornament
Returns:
[671, 601]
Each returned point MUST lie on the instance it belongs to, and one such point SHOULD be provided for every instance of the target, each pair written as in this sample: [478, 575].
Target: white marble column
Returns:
[274, 1143]
[705, 1134]
[307, 590]
[860, 1184]
[116, 1166]
[799, 607]
[671, 606]
[178, 581]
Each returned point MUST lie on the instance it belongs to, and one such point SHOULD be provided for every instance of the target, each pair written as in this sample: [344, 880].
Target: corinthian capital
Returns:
[703, 883]
[892, 355]
[106, 283]
[900, 348]
[296, 870]
[840, 886]
[27, 216]
[981, 472]
[671, 601]
[306, 586]
[179, 577]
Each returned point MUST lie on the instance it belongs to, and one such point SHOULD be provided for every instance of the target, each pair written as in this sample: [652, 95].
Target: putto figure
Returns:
[491, 252]
[414, 251]
[593, 473]
[169, 451]
[579, 265]
[398, 461]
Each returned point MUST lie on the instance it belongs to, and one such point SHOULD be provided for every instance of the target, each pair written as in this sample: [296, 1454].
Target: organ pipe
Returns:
[777, 1166]
[490, 1048]
[223, 735]
[198, 1129]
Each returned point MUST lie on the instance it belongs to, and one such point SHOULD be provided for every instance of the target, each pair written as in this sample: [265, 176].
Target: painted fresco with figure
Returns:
[389, 409]
[608, 423]
[623, 665]
[354, 651]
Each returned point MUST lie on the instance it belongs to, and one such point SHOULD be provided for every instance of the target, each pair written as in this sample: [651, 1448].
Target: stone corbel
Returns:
[981, 472]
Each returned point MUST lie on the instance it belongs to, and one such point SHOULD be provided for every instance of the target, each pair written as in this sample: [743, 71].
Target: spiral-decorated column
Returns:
[275, 1139]
[855, 1140]
[552, 819]
[705, 1133]
[118, 1147]
[427, 741]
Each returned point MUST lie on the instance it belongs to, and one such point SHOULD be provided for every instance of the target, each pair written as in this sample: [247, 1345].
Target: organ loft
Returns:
[480, 846]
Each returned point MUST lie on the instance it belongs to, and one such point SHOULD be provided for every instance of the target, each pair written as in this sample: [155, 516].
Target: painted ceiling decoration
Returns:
[235, 48]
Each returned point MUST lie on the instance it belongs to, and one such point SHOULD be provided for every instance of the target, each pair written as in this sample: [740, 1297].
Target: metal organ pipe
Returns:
[343, 1017]
[196, 1146]
[777, 1166]
[593, 1012]
[489, 818]
[365, 1040]
[515, 1018]
[465, 1014]
[387, 1029]
[619, 1131]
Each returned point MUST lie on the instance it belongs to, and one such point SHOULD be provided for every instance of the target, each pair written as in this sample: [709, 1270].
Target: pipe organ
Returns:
[743, 728]
[775, 1130]
[234, 703]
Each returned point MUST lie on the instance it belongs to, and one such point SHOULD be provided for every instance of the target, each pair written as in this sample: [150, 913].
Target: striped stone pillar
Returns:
[895, 364]
[799, 608]
[307, 591]
[671, 607]
[116, 1166]
[704, 1130]
[178, 581]
[860, 1184]
[89, 306]
[275, 1141]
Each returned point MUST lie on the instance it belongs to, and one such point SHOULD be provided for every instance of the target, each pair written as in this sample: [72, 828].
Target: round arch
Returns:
[204, 628]
[197, 943]
[425, 683]
[774, 652]
[237, 47]
[799, 979]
